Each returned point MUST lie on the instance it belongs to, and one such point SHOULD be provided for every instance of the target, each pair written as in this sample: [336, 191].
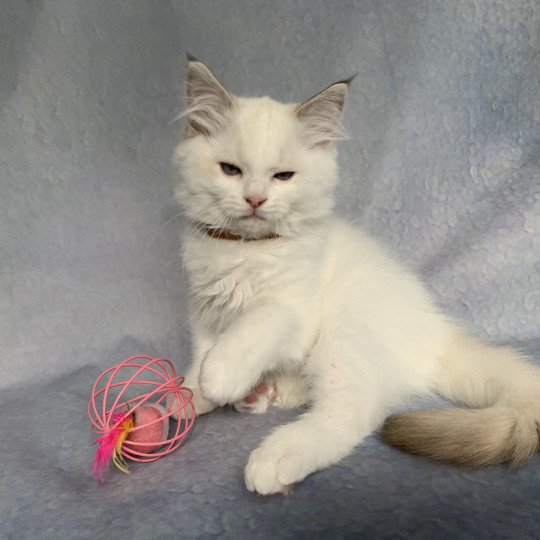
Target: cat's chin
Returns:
[253, 227]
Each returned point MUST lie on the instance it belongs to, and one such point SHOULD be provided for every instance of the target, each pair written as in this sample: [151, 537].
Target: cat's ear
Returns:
[208, 102]
[321, 114]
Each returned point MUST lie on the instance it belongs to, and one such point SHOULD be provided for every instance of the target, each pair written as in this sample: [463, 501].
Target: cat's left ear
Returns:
[321, 114]
[207, 99]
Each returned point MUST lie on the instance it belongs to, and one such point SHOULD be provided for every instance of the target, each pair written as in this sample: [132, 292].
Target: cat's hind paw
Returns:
[259, 400]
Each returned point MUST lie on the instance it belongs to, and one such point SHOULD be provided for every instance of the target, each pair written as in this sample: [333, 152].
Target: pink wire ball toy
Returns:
[130, 408]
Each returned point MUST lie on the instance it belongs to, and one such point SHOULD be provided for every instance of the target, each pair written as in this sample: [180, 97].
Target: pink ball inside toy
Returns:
[156, 431]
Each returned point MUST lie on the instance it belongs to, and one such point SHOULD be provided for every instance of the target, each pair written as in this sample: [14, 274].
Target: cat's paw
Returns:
[284, 391]
[219, 379]
[259, 400]
[202, 405]
[275, 467]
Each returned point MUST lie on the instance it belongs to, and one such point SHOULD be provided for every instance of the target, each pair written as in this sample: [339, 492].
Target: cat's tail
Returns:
[503, 388]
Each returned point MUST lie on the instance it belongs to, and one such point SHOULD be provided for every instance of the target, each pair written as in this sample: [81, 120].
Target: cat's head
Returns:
[254, 166]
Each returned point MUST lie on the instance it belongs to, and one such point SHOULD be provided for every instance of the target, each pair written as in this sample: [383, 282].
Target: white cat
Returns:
[292, 306]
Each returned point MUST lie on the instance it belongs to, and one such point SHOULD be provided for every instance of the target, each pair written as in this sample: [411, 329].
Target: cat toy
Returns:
[130, 408]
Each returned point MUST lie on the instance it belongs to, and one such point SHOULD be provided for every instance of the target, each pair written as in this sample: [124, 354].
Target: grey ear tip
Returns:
[191, 58]
[349, 80]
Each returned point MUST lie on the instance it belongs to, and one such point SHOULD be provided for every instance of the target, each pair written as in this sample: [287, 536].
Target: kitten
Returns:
[292, 306]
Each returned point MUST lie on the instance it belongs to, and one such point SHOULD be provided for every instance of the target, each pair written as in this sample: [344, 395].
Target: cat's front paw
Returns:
[202, 405]
[275, 467]
[219, 380]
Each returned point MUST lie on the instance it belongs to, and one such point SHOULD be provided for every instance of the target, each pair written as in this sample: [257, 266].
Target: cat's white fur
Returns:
[323, 314]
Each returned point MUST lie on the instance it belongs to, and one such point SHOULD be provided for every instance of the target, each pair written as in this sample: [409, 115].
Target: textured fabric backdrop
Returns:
[443, 165]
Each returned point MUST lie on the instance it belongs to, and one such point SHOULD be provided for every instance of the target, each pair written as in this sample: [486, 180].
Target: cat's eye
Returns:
[229, 169]
[285, 175]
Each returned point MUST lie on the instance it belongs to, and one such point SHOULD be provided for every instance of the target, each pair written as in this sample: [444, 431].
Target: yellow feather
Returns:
[117, 457]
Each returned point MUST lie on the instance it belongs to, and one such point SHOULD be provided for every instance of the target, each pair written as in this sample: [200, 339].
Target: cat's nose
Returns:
[255, 200]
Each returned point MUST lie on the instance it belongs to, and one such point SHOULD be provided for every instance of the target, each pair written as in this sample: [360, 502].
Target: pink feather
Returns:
[110, 445]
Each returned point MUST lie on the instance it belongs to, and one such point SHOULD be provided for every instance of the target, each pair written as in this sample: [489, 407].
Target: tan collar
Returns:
[226, 235]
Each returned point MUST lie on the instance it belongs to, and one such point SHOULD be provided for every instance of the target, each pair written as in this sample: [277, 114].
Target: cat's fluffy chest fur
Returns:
[229, 277]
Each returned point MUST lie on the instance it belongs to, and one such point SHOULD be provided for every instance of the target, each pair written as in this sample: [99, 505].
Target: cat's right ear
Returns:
[208, 102]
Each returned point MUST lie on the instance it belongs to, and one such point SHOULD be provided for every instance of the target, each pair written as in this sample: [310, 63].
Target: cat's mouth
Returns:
[253, 217]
